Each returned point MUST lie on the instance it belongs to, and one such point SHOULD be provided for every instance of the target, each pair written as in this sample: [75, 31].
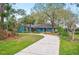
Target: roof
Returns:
[40, 26]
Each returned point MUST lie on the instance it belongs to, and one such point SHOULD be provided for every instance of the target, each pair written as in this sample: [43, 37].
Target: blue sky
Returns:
[28, 6]
[74, 9]
[25, 6]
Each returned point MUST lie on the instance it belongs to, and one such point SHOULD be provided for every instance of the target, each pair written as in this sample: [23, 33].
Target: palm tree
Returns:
[9, 12]
[2, 14]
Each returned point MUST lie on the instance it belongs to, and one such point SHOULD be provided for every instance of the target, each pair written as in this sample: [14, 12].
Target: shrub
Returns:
[77, 31]
[62, 31]
[2, 35]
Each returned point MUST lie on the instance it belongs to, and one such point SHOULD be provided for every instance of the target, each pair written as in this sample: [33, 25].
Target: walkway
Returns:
[49, 45]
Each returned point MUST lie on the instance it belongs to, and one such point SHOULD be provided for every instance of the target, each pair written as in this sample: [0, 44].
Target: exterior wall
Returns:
[21, 29]
[49, 29]
[44, 30]
[40, 30]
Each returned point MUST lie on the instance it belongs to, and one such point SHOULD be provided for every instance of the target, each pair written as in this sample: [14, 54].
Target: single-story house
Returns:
[35, 28]
[39, 28]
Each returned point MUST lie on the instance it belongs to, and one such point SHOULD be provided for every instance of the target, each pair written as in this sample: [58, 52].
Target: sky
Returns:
[74, 9]
[25, 6]
[28, 6]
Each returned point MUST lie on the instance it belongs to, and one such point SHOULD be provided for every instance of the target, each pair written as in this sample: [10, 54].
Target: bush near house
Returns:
[62, 31]
[77, 31]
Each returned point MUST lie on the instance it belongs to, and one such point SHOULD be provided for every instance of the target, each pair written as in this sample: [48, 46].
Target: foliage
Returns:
[21, 12]
[62, 32]
[8, 12]
[48, 9]
[77, 31]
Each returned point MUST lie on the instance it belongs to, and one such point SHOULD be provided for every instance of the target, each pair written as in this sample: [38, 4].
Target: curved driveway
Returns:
[49, 45]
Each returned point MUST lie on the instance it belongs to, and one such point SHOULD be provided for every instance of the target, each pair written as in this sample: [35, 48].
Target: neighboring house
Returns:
[77, 25]
[77, 28]
[39, 28]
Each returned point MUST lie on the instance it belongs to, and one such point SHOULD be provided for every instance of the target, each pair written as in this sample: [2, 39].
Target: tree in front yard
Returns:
[49, 9]
[71, 25]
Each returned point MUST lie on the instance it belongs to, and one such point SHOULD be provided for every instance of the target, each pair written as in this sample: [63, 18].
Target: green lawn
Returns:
[68, 47]
[12, 46]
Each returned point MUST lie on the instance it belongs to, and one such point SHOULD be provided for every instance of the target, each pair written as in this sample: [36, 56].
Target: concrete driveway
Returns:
[49, 45]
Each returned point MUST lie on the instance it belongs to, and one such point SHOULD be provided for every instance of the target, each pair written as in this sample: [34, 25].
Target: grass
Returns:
[69, 48]
[12, 46]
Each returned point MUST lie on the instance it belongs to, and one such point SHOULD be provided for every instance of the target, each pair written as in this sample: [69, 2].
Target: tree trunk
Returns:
[7, 23]
[2, 16]
[53, 25]
[2, 22]
[73, 36]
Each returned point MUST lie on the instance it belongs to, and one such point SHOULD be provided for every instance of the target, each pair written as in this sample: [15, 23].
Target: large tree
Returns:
[49, 9]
